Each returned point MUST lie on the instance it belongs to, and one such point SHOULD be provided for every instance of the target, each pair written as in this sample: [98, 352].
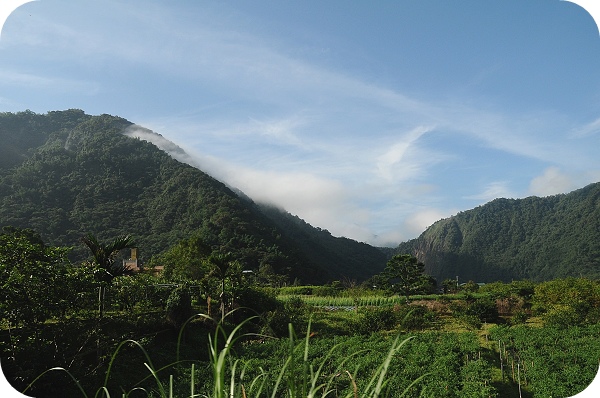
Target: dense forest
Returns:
[532, 238]
[66, 174]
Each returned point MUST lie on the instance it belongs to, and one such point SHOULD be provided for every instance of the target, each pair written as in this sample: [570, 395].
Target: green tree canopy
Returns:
[188, 259]
[404, 274]
[33, 277]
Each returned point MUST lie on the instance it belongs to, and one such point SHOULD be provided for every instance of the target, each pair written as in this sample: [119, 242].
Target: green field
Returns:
[335, 348]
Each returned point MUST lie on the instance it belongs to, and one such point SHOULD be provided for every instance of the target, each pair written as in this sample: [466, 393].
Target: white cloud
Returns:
[552, 182]
[393, 165]
[320, 162]
[322, 202]
[586, 130]
[419, 221]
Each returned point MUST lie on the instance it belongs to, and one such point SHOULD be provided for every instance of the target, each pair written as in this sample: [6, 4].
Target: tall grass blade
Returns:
[57, 369]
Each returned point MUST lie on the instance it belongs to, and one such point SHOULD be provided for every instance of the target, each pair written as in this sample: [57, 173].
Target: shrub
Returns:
[519, 317]
[593, 315]
[484, 309]
[326, 291]
[376, 319]
[293, 311]
[563, 317]
[179, 307]
[416, 317]
[475, 311]
[299, 290]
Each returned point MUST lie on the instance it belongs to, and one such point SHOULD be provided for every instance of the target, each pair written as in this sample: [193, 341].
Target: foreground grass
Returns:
[296, 377]
[333, 355]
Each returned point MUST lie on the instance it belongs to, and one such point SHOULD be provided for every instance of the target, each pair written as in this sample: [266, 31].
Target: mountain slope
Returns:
[534, 238]
[324, 250]
[66, 174]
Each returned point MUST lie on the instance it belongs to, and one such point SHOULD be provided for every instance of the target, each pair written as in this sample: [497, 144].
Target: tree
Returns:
[449, 286]
[404, 273]
[470, 287]
[225, 268]
[221, 264]
[33, 277]
[188, 259]
[569, 301]
[179, 307]
[104, 260]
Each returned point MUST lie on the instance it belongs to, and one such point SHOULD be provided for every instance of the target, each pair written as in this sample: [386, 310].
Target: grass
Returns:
[368, 300]
[297, 378]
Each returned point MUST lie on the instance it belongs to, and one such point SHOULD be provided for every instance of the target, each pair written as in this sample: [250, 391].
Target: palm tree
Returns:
[104, 258]
[221, 266]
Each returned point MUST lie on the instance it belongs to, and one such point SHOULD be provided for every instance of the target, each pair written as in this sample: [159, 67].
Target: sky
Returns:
[369, 119]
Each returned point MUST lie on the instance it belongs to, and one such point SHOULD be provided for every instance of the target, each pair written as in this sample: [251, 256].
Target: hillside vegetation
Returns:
[532, 238]
[66, 174]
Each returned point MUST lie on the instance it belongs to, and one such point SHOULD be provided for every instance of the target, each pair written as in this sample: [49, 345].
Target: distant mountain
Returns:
[66, 174]
[532, 238]
[324, 250]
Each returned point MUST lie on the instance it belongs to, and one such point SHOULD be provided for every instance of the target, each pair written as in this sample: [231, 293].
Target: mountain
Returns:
[323, 249]
[533, 238]
[66, 174]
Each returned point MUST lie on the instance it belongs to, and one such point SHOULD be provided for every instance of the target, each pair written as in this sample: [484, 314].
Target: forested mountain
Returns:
[323, 249]
[65, 174]
[534, 238]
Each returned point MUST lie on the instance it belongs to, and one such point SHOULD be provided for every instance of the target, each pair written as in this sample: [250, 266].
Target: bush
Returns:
[324, 291]
[519, 317]
[295, 290]
[563, 317]
[593, 316]
[376, 319]
[416, 317]
[179, 307]
[475, 311]
[484, 309]
[293, 311]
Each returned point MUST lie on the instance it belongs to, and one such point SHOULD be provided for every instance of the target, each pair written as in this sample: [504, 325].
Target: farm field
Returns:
[480, 344]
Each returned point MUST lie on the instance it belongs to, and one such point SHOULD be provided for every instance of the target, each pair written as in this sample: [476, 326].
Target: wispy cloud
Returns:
[493, 190]
[589, 129]
[58, 84]
[393, 165]
[553, 182]
[421, 219]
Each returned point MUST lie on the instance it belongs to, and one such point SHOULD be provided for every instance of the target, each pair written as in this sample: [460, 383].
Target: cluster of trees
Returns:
[95, 304]
[38, 282]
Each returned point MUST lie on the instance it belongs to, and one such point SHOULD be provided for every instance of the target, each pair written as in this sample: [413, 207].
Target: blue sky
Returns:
[370, 119]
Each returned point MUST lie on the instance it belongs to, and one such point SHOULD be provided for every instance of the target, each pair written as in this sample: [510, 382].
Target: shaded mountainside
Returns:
[325, 250]
[532, 238]
[66, 174]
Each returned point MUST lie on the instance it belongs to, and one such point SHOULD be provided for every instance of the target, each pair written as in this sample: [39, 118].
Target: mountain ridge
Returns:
[536, 238]
[67, 174]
